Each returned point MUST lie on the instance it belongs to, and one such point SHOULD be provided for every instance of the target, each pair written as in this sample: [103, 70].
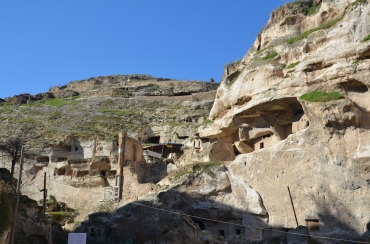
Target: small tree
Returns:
[11, 142]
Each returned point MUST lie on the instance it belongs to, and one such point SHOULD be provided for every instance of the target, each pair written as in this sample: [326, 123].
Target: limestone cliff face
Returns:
[331, 59]
[320, 150]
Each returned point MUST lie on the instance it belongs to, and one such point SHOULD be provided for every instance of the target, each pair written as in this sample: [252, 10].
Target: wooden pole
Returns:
[15, 212]
[45, 194]
[121, 157]
[291, 200]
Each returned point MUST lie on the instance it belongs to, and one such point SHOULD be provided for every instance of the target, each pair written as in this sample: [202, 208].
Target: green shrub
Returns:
[5, 211]
[269, 56]
[325, 25]
[292, 65]
[320, 96]
[366, 38]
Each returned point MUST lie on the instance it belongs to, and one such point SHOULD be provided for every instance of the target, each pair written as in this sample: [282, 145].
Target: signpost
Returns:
[76, 238]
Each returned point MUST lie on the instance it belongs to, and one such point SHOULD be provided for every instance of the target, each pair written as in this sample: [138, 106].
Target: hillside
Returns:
[100, 107]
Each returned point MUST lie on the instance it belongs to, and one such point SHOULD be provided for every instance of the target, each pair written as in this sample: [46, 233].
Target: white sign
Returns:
[76, 238]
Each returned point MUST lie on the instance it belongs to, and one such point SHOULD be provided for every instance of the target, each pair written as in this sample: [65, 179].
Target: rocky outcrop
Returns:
[134, 223]
[137, 85]
[318, 149]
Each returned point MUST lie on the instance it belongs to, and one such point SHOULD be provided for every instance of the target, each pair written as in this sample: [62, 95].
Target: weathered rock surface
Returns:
[319, 150]
[142, 225]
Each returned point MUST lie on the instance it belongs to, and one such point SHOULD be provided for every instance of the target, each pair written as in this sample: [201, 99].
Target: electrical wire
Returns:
[31, 180]
[241, 225]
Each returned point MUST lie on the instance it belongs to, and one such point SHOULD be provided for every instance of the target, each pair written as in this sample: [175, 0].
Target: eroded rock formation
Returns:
[319, 150]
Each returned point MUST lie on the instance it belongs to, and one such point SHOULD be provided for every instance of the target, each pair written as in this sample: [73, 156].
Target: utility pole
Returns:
[121, 158]
[45, 194]
[15, 211]
[291, 200]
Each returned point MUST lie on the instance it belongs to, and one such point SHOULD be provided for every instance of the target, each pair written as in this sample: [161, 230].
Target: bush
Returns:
[320, 96]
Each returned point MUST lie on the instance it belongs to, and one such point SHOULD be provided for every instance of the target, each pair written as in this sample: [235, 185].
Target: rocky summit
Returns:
[277, 152]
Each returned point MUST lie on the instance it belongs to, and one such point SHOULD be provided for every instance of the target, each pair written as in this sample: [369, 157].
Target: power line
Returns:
[31, 179]
[218, 221]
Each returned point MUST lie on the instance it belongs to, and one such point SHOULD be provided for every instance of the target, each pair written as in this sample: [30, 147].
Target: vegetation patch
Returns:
[28, 201]
[116, 112]
[313, 9]
[6, 110]
[269, 56]
[358, 2]
[182, 173]
[206, 167]
[290, 66]
[61, 216]
[54, 102]
[208, 121]
[198, 167]
[5, 211]
[326, 25]
[232, 78]
[366, 38]
[26, 120]
[260, 51]
[320, 96]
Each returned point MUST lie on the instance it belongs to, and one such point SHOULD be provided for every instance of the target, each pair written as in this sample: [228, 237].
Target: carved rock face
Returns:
[320, 150]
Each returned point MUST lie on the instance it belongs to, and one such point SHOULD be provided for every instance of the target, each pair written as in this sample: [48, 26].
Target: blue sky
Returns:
[48, 43]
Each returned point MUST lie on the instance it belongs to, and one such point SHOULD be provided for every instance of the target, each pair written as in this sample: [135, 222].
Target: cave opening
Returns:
[200, 224]
[153, 140]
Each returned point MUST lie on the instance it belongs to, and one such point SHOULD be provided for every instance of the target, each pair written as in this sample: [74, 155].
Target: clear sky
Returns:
[47, 43]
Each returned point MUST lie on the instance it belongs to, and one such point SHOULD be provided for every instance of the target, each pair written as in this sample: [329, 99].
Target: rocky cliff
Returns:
[318, 147]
